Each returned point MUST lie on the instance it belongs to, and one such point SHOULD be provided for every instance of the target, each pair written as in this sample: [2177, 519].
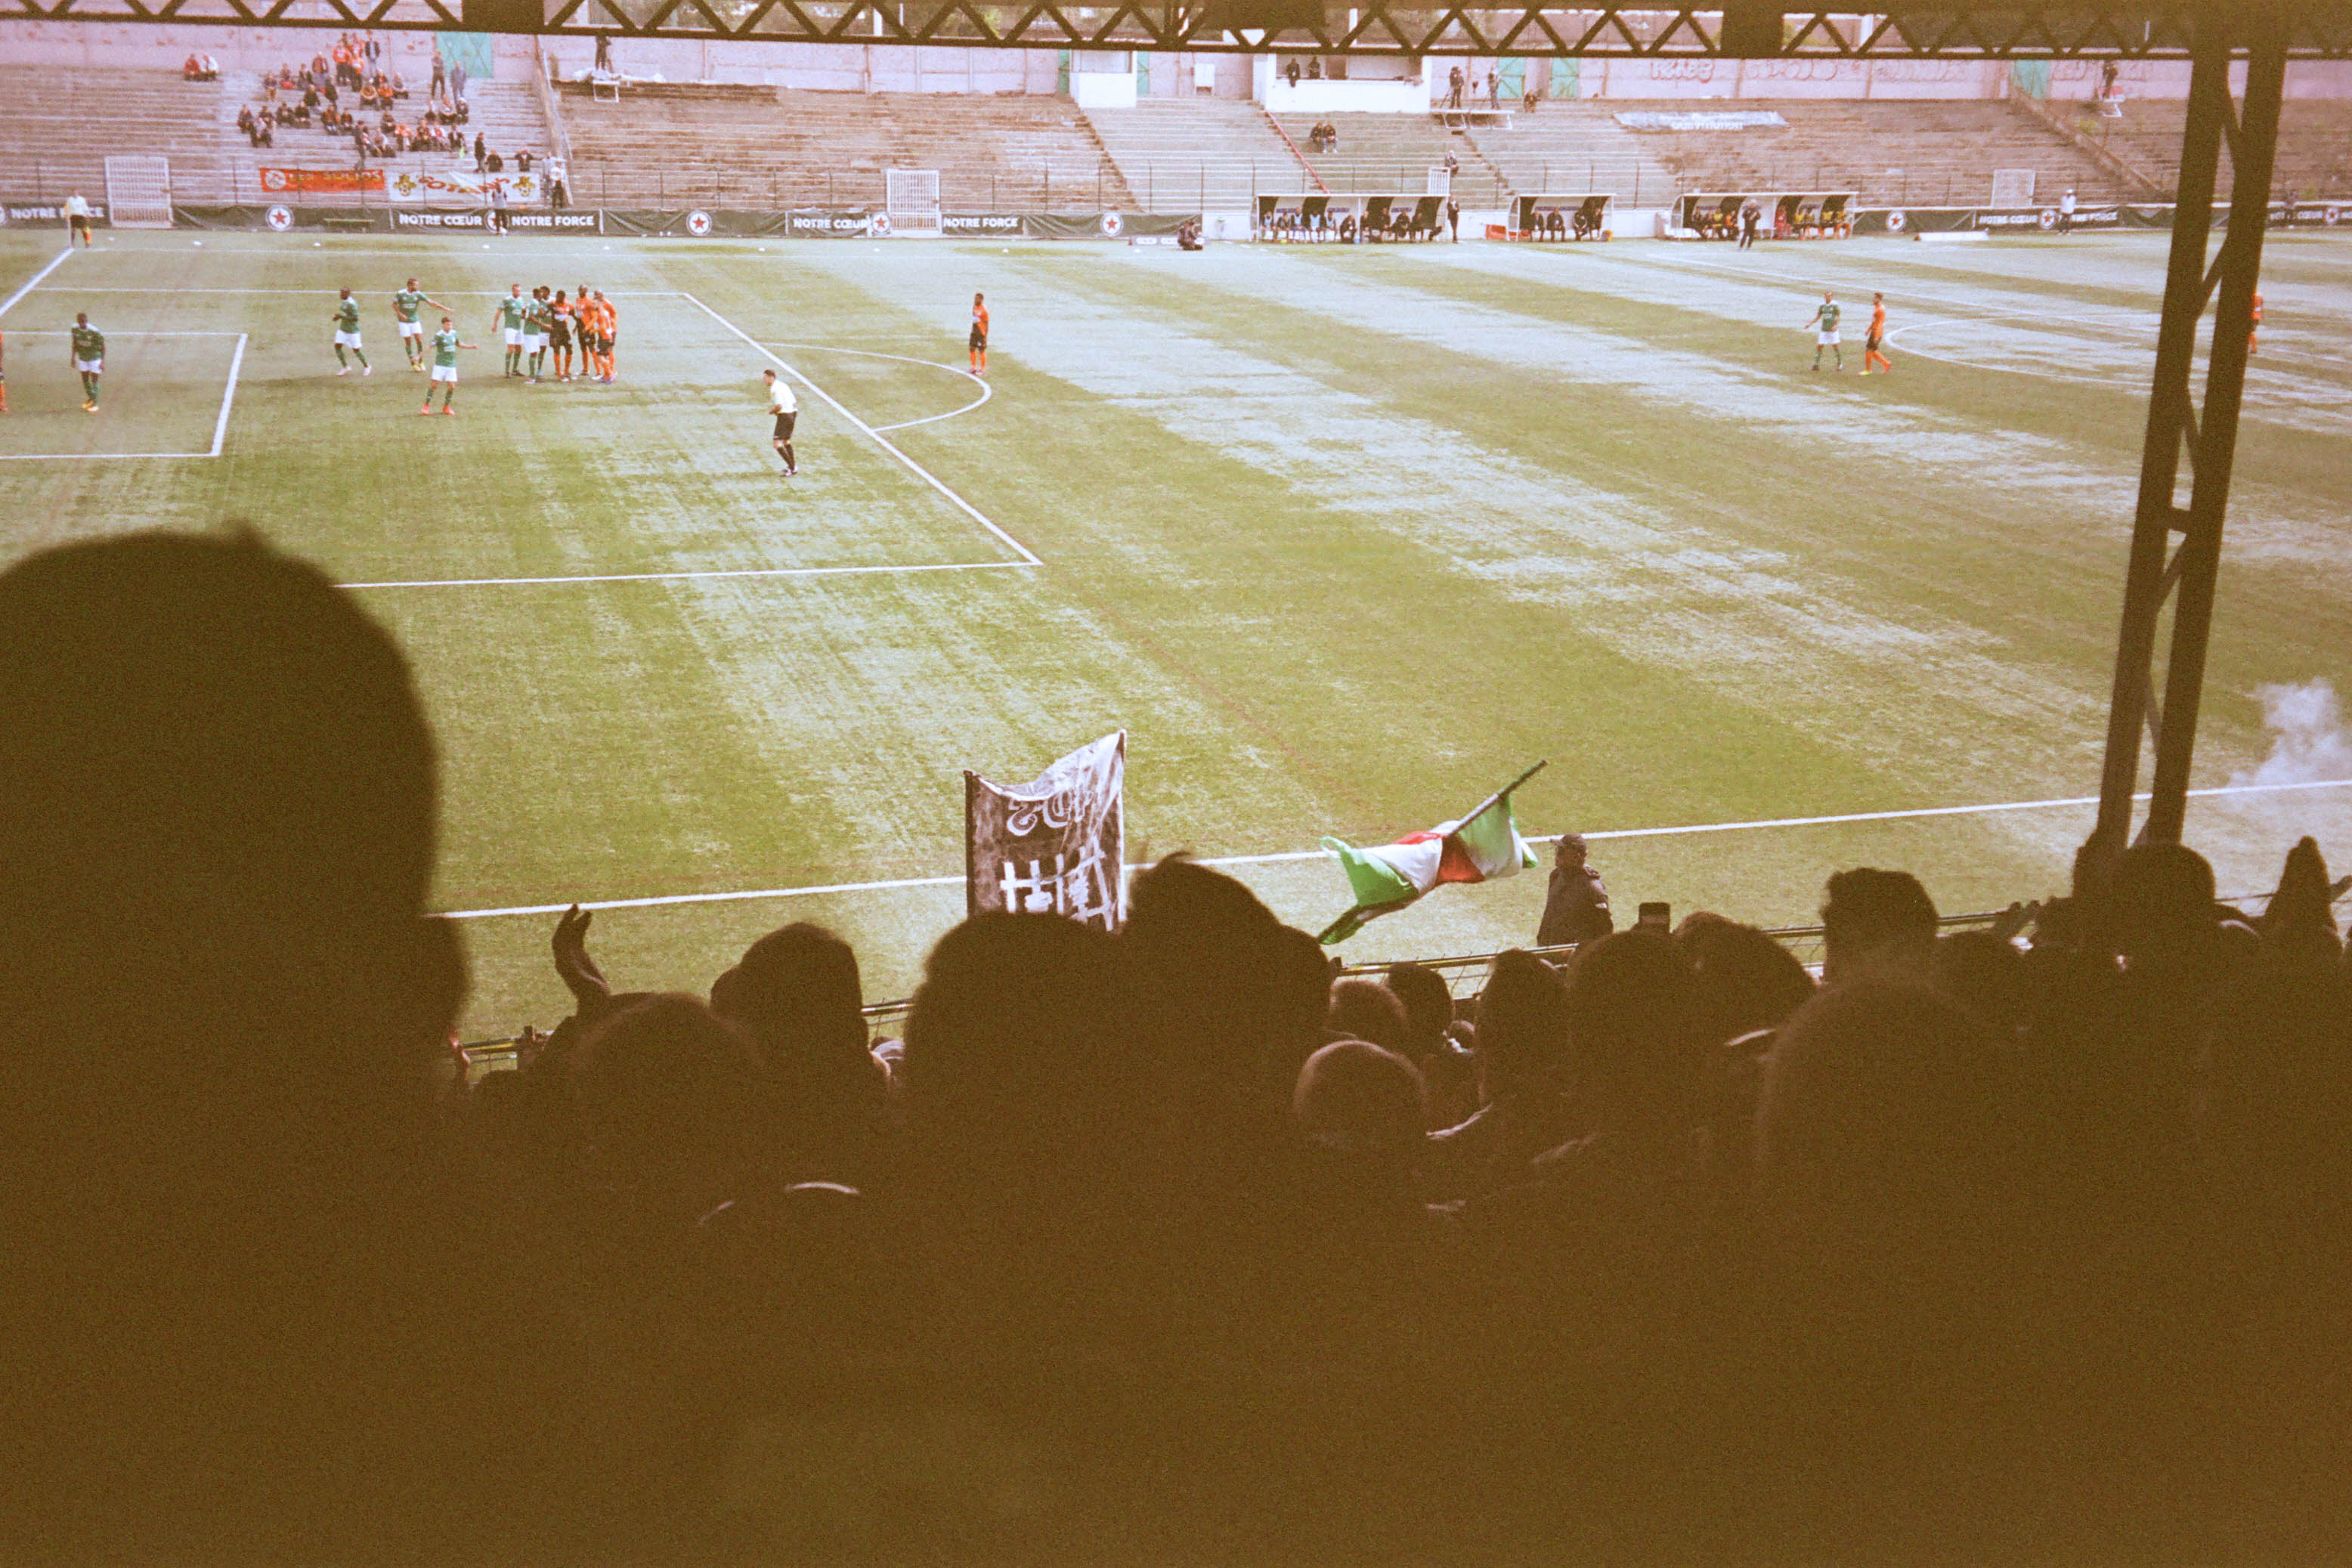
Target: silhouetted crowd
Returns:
[1158, 1245]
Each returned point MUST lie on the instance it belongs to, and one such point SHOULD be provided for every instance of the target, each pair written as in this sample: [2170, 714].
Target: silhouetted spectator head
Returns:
[1522, 1026]
[2160, 906]
[1634, 1031]
[2301, 918]
[1009, 1069]
[1746, 981]
[1880, 1139]
[1355, 1098]
[217, 834]
[1570, 852]
[1985, 975]
[669, 1106]
[796, 987]
[1874, 919]
[1367, 1010]
[1428, 1005]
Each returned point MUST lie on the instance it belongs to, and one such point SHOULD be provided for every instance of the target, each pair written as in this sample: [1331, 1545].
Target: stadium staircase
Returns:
[506, 113]
[669, 145]
[1895, 152]
[1568, 147]
[1200, 154]
[2314, 149]
[59, 123]
[1393, 152]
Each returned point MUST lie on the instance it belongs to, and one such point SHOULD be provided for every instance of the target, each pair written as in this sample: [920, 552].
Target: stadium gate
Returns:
[139, 192]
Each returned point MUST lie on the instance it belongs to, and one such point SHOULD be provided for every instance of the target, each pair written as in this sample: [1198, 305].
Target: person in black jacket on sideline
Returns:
[1576, 906]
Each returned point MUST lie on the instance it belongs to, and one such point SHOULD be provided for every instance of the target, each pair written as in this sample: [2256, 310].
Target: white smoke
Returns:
[2308, 745]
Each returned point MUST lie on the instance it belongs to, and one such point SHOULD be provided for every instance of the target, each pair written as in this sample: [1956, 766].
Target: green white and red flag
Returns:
[1479, 847]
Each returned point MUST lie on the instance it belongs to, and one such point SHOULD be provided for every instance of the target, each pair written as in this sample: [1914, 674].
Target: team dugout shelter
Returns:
[1348, 217]
[1544, 217]
[1787, 214]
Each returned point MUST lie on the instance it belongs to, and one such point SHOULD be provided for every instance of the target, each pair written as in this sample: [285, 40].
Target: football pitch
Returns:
[1343, 539]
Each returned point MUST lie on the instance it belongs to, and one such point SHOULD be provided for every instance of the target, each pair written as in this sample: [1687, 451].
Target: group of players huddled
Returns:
[536, 325]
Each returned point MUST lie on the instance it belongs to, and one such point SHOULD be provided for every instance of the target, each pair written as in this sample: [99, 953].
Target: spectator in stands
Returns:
[1521, 1045]
[457, 87]
[1367, 1010]
[558, 184]
[1875, 920]
[604, 54]
[522, 161]
[1290, 71]
[1454, 88]
[795, 992]
[481, 154]
[222, 1008]
[1493, 90]
[440, 75]
[1576, 902]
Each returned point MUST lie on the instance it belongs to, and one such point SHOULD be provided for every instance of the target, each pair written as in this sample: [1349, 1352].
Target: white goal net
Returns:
[2013, 188]
[139, 192]
[911, 197]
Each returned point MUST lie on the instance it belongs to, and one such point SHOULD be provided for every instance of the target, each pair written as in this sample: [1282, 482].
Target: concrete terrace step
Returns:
[772, 146]
[1198, 154]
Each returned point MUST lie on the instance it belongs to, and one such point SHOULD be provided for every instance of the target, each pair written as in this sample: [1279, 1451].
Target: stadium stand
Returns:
[1900, 153]
[59, 123]
[1568, 146]
[1198, 154]
[1395, 152]
[769, 146]
[505, 114]
[2315, 145]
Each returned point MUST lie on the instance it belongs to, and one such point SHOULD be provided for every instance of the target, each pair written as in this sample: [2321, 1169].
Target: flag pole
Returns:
[1505, 789]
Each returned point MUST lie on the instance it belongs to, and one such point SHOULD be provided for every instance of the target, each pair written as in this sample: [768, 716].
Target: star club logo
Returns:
[279, 218]
[697, 224]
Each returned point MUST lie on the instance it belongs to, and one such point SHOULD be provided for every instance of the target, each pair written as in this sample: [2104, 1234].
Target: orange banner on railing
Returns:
[276, 181]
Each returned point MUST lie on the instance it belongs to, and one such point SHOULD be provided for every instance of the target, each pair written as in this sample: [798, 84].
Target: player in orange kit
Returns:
[1874, 345]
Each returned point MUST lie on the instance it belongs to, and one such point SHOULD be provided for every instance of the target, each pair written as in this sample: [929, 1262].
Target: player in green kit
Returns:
[404, 303]
[507, 317]
[347, 336]
[89, 359]
[538, 317]
[444, 368]
[1828, 317]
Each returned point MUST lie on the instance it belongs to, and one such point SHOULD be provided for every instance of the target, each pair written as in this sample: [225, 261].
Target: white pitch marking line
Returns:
[220, 425]
[35, 281]
[986, 391]
[228, 396]
[883, 441]
[691, 575]
[1325, 855]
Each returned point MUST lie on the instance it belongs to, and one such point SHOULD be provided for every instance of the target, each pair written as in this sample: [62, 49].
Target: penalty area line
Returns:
[35, 281]
[1027, 556]
[1912, 813]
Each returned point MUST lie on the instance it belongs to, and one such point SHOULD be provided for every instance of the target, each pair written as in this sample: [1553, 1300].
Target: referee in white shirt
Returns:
[787, 409]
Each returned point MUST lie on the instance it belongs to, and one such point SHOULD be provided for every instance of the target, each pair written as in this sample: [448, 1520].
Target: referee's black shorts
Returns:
[784, 426]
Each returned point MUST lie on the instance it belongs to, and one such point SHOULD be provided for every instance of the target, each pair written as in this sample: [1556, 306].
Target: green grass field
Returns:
[1343, 539]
